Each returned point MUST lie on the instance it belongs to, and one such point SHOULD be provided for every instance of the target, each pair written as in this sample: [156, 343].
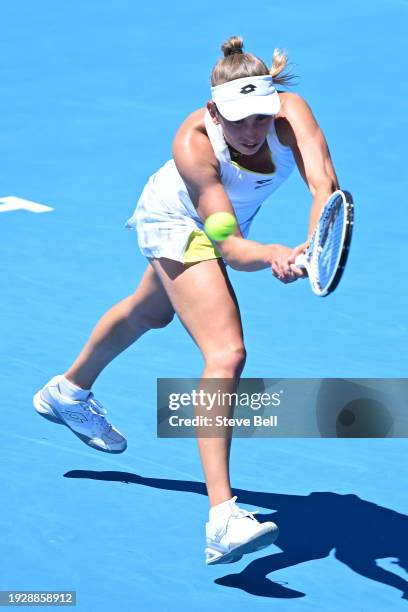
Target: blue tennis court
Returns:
[92, 95]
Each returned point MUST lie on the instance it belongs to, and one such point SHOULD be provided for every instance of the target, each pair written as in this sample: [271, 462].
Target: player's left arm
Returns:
[298, 129]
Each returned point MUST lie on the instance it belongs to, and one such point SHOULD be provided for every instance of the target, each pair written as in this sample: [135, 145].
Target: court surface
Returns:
[92, 94]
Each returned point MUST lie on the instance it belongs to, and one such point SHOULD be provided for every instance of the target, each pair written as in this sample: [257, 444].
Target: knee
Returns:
[227, 361]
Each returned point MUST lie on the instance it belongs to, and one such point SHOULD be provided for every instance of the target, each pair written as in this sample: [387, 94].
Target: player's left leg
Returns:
[205, 302]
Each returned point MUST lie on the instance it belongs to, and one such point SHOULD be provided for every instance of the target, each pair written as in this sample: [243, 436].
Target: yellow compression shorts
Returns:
[199, 248]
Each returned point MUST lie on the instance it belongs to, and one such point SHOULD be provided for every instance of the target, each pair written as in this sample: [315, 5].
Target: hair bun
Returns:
[234, 44]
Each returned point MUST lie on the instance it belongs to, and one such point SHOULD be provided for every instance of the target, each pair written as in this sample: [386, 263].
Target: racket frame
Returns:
[305, 259]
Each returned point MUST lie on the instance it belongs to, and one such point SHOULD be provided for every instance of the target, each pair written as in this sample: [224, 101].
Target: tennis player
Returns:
[230, 156]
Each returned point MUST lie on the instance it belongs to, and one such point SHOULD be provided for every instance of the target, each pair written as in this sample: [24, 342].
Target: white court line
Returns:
[10, 203]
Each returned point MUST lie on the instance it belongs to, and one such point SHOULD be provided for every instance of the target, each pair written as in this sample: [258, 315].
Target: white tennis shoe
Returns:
[236, 533]
[85, 418]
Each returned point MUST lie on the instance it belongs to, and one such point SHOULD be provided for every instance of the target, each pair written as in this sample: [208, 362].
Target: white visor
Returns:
[248, 96]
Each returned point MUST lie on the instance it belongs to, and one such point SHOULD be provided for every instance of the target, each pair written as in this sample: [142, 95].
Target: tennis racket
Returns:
[326, 255]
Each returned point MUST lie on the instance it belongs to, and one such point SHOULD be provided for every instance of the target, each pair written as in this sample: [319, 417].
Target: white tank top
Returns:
[165, 215]
[247, 189]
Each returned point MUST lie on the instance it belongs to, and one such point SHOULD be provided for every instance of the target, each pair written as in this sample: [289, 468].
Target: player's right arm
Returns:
[199, 169]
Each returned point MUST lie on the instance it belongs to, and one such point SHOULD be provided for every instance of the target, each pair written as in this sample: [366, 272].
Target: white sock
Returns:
[68, 389]
[221, 510]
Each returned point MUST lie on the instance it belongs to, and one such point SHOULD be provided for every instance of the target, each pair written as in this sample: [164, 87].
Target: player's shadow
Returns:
[310, 527]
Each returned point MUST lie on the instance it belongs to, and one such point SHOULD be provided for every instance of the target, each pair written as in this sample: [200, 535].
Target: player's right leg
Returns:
[67, 399]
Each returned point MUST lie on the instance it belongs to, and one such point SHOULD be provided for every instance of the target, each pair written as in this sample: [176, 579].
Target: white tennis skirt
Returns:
[163, 229]
[164, 226]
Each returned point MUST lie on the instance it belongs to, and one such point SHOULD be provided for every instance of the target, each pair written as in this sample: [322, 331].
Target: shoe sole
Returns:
[45, 410]
[253, 545]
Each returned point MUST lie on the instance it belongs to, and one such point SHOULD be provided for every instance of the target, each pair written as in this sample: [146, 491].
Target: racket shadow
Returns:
[310, 527]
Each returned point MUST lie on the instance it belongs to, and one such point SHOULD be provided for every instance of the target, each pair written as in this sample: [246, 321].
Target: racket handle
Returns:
[300, 261]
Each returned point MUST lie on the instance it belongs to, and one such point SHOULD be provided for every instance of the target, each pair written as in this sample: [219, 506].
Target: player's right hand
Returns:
[283, 260]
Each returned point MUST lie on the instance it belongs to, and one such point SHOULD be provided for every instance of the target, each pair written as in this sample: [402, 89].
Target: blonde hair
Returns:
[236, 65]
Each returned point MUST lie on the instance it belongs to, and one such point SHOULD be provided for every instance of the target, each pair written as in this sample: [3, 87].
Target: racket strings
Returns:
[327, 251]
[329, 243]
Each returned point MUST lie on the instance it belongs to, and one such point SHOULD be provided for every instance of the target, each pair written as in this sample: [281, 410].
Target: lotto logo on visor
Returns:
[248, 89]
[248, 96]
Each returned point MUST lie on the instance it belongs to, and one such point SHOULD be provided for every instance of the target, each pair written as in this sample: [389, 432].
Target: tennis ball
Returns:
[220, 225]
